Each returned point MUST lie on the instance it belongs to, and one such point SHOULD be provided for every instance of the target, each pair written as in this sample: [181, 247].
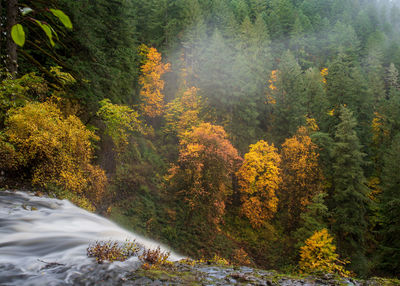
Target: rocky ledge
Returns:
[181, 273]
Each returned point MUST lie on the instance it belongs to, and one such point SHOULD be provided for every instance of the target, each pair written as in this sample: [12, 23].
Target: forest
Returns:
[263, 132]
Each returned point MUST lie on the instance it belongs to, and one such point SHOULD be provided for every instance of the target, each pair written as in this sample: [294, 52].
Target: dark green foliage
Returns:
[290, 109]
[349, 200]
[390, 206]
[103, 52]
[314, 219]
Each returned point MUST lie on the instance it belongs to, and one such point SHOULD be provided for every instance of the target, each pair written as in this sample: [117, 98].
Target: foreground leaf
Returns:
[18, 35]
[62, 17]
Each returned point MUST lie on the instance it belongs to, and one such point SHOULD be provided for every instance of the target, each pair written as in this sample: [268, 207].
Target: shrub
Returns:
[112, 250]
[155, 257]
[319, 255]
[241, 257]
[218, 260]
[15, 92]
[56, 149]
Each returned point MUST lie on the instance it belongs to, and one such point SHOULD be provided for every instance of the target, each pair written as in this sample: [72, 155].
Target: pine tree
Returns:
[313, 219]
[289, 108]
[349, 200]
[103, 52]
[316, 101]
[346, 85]
[390, 207]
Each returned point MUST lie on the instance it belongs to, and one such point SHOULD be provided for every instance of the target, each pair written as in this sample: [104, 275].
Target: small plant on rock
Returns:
[218, 260]
[154, 257]
[112, 250]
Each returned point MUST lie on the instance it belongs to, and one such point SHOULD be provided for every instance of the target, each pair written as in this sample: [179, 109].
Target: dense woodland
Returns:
[259, 131]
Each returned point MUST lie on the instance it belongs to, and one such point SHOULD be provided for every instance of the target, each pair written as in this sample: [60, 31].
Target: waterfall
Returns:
[43, 241]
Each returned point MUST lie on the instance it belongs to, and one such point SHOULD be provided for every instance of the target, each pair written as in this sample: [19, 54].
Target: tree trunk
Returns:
[12, 12]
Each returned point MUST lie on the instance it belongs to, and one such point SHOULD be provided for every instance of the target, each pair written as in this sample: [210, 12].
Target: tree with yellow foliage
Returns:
[319, 255]
[182, 113]
[152, 84]
[259, 178]
[120, 121]
[56, 149]
[301, 174]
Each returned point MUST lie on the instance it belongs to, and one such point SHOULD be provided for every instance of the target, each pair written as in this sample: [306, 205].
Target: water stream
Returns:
[43, 241]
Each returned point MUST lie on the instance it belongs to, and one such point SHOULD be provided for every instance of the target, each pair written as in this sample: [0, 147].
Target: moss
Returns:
[191, 277]
[157, 274]
[76, 199]
[384, 281]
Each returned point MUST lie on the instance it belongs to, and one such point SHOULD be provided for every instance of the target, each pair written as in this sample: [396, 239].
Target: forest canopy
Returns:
[258, 131]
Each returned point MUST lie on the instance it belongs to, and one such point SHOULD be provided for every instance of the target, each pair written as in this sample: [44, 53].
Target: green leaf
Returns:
[62, 17]
[54, 32]
[18, 34]
[26, 11]
[47, 29]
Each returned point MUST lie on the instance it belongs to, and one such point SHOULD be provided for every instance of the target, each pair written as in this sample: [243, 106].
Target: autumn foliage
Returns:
[202, 175]
[152, 84]
[259, 178]
[57, 149]
[319, 255]
[324, 72]
[112, 250]
[302, 175]
[120, 121]
[154, 257]
[182, 113]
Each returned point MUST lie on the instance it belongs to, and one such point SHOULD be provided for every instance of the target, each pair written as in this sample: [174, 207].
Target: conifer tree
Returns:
[316, 100]
[289, 107]
[102, 48]
[349, 197]
[390, 206]
[313, 219]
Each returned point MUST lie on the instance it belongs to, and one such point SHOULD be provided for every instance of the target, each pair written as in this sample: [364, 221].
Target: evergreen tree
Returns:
[281, 18]
[289, 110]
[316, 101]
[104, 52]
[349, 200]
[313, 219]
[346, 85]
[390, 206]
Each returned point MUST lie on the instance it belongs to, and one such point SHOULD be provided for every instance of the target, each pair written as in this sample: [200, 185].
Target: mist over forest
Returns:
[262, 132]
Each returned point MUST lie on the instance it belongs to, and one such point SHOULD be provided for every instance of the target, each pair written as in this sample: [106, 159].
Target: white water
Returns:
[47, 246]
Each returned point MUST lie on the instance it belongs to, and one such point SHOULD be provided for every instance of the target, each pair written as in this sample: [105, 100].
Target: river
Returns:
[43, 241]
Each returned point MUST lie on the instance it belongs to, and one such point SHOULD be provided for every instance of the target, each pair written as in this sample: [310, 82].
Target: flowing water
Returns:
[43, 241]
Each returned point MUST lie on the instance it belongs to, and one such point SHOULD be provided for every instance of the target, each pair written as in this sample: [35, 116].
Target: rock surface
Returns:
[179, 273]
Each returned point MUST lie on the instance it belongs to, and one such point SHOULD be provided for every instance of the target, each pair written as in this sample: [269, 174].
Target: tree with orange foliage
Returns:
[302, 175]
[152, 84]
[202, 177]
[259, 179]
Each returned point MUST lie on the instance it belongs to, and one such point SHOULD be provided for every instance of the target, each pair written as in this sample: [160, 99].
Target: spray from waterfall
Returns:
[43, 241]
